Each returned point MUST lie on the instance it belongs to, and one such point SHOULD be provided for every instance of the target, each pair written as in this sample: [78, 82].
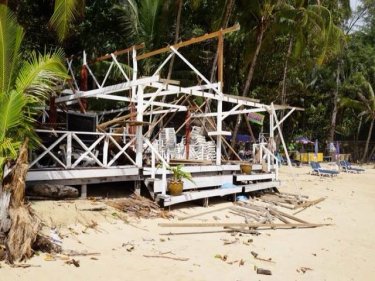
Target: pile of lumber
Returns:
[263, 214]
[258, 214]
[138, 206]
[289, 201]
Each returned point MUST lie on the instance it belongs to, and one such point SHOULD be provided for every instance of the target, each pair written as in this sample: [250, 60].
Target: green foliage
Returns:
[65, 12]
[313, 28]
[23, 85]
[179, 174]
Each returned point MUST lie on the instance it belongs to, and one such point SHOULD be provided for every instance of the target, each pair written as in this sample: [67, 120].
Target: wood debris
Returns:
[264, 271]
[303, 269]
[288, 200]
[166, 257]
[74, 262]
[257, 215]
[138, 206]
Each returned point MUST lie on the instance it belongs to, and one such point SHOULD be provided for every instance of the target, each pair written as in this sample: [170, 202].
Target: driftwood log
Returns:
[52, 191]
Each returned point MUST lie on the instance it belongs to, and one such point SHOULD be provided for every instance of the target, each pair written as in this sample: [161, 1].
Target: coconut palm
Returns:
[23, 85]
[364, 102]
[65, 12]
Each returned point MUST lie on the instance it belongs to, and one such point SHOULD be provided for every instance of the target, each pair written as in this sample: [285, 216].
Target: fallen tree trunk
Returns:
[52, 191]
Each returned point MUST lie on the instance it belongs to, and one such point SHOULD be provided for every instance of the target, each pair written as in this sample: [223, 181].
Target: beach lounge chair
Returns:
[318, 170]
[347, 167]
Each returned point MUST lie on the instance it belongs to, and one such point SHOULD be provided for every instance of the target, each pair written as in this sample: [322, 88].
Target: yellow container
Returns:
[310, 156]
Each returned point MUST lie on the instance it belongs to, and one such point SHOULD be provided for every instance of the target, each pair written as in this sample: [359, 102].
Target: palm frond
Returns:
[11, 106]
[65, 12]
[129, 18]
[41, 73]
[11, 35]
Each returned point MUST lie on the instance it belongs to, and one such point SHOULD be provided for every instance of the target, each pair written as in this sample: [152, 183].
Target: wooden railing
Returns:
[70, 150]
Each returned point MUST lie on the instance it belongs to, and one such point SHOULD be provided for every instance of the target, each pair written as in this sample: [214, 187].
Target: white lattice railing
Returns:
[70, 150]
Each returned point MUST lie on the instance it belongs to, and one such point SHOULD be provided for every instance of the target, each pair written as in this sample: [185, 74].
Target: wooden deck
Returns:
[209, 181]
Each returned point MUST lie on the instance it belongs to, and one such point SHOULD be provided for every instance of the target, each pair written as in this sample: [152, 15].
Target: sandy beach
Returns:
[126, 250]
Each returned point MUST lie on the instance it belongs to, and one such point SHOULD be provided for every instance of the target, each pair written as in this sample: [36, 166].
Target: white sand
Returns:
[343, 251]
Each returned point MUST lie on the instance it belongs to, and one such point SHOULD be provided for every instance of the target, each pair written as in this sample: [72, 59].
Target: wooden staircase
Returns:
[208, 182]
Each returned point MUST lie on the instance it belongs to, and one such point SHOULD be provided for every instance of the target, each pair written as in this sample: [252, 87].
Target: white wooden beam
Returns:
[284, 118]
[195, 70]
[109, 89]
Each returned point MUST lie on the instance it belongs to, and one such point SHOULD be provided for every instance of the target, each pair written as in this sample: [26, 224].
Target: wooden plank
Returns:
[309, 204]
[249, 225]
[190, 42]
[220, 60]
[203, 213]
[288, 216]
[254, 177]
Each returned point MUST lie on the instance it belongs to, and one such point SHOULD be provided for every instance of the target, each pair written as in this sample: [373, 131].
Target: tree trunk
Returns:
[176, 36]
[368, 141]
[224, 24]
[170, 69]
[283, 86]
[259, 40]
[357, 138]
[331, 136]
[24, 224]
[371, 154]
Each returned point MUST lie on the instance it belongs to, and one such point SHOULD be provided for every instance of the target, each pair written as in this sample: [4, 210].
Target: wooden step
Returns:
[253, 177]
[186, 196]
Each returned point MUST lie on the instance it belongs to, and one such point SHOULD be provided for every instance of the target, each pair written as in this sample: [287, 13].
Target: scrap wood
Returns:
[276, 203]
[264, 271]
[73, 253]
[166, 257]
[196, 232]
[279, 216]
[250, 225]
[256, 256]
[288, 216]
[293, 195]
[242, 230]
[309, 204]
[138, 206]
[244, 215]
[74, 262]
[23, 265]
[203, 213]
[249, 210]
[304, 269]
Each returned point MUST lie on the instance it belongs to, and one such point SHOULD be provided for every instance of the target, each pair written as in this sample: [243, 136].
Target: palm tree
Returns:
[65, 12]
[263, 13]
[23, 85]
[365, 103]
[307, 26]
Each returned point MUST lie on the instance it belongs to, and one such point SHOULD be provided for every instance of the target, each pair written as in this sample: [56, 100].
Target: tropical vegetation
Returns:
[319, 55]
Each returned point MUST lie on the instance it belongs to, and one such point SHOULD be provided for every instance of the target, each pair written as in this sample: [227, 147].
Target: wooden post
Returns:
[139, 133]
[69, 150]
[187, 134]
[219, 129]
[281, 135]
[219, 119]
[220, 60]
[83, 191]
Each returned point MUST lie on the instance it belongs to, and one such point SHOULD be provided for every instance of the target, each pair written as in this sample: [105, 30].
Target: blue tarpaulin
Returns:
[243, 138]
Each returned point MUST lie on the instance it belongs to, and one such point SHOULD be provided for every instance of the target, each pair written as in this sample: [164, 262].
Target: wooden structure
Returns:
[76, 161]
